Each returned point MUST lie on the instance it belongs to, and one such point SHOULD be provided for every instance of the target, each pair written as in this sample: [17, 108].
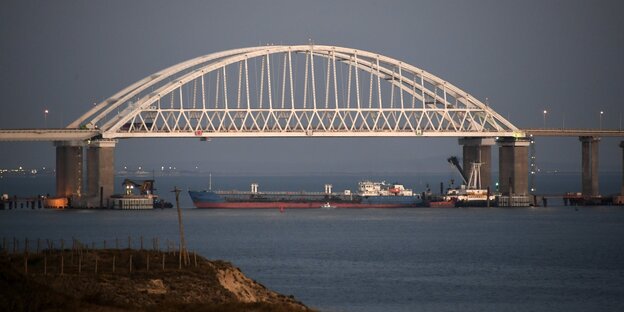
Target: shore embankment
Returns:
[79, 279]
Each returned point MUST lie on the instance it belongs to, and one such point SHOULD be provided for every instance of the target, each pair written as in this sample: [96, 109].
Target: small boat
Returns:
[327, 206]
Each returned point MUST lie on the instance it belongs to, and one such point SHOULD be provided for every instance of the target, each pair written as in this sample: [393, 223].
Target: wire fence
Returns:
[116, 256]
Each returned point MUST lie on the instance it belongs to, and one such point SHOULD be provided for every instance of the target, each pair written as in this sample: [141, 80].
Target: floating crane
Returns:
[470, 193]
[474, 181]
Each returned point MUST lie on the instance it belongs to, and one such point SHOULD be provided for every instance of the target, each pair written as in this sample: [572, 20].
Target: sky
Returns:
[525, 57]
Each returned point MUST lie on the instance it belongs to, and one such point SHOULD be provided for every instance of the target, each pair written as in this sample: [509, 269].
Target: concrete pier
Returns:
[589, 166]
[513, 166]
[622, 146]
[68, 168]
[478, 150]
[100, 172]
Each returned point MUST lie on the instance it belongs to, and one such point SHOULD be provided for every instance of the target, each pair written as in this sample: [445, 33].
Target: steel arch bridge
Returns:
[291, 91]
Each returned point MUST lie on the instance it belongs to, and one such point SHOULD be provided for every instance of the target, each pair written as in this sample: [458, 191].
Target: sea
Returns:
[553, 258]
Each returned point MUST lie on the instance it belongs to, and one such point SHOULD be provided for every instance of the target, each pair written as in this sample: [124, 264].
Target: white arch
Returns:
[481, 120]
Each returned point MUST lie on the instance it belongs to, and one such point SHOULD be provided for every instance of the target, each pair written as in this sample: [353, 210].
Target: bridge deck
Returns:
[574, 132]
[82, 134]
[46, 134]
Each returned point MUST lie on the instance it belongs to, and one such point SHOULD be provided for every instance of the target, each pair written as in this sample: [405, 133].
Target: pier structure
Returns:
[100, 172]
[619, 200]
[332, 92]
[622, 189]
[478, 150]
[589, 166]
[94, 188]
[513, 167]
[69, 168]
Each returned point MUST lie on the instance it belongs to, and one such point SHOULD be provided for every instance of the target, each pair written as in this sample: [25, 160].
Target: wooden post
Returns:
[113, 263]
[182, 246]
[130, 263]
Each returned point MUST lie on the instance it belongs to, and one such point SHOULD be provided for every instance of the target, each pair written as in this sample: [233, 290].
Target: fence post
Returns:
[130, 263]
[113, 263]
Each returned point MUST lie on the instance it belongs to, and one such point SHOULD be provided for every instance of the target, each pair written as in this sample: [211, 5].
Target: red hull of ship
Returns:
[280, 205]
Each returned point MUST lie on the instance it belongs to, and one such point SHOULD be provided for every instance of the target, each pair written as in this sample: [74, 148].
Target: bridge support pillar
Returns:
[478, 150]
[622, 146]
[68, 168]
[513, 166]
[100, 172]
[589, 165]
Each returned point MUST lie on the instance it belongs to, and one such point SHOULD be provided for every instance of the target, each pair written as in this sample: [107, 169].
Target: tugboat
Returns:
[327, 205]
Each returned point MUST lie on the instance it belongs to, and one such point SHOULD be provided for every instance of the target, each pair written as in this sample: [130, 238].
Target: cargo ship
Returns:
[370, 194]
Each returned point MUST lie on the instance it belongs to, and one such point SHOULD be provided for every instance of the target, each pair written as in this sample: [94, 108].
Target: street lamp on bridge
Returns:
[45, 118]
[600, 124]
[545, 112]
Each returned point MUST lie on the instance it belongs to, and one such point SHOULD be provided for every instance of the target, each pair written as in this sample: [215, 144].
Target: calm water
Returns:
[525, 259]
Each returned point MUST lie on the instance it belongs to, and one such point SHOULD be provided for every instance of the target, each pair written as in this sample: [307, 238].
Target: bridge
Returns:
[293, 91]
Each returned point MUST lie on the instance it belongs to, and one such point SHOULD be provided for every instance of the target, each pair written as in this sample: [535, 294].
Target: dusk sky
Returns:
[523, 56]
